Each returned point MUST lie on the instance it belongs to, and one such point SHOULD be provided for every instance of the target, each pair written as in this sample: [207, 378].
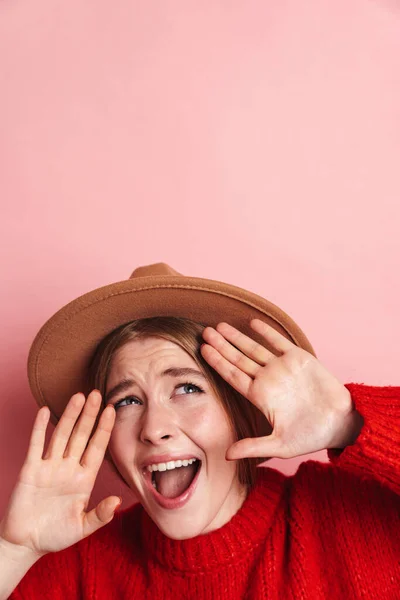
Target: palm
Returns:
[47, 506]
[279, 391]
[47, 509]
[305, 405]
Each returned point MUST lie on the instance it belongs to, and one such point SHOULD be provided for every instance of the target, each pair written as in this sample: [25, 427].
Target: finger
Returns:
[234, 376]
[100, 515]
[263, 447]
[81, 433]
[250, 347]
[65, 425]
[38, 435]
[276, 339]
[236, 357]
[94, 454]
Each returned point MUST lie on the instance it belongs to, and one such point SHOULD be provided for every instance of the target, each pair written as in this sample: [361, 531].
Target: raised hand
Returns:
[47, 508]
[307, 407]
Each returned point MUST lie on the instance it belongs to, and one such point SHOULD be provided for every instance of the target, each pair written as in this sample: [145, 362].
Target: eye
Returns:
[189, 388]
[129, 400]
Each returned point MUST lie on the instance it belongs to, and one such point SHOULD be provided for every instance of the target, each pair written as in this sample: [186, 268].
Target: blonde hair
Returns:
[246, 420]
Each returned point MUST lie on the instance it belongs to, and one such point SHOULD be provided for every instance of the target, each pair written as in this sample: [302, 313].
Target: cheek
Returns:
[210, 426]
[122, 441]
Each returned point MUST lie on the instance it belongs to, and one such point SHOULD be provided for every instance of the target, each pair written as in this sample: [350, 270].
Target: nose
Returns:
[157, 425]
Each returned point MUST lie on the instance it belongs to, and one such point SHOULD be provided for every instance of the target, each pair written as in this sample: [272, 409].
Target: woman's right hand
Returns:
[47, 508]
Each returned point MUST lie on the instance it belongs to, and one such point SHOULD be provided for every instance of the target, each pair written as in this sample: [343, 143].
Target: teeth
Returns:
[172, 464]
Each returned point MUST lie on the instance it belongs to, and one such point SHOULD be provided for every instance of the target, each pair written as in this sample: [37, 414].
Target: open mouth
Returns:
[173, 483]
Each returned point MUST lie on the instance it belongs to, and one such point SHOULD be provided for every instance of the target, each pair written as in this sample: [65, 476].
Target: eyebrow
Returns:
[125, 384]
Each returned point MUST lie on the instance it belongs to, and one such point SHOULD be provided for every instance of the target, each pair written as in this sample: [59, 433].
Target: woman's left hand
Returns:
[308, 408]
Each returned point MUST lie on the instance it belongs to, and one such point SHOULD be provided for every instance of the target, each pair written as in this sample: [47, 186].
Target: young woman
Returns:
[185, 406]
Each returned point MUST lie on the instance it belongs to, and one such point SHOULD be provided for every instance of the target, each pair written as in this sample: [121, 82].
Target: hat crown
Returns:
[154, 270]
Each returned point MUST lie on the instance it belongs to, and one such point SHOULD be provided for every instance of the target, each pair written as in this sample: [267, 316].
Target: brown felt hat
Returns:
[62, 350]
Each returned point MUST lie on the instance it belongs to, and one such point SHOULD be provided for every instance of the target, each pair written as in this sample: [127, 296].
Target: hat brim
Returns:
[62, 350]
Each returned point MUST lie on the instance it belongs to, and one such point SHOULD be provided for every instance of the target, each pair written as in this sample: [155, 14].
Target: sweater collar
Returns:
[247, 529]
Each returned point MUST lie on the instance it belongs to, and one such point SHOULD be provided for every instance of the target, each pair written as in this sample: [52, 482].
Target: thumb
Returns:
[102, 514]
[263, 447]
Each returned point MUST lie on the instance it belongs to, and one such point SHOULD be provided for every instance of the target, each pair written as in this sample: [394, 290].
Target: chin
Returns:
[178, 530]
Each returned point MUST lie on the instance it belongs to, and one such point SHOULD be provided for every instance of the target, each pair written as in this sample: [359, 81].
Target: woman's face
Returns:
[164, 414]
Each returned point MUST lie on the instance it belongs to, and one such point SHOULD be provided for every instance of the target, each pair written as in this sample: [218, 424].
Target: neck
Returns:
[232, 504]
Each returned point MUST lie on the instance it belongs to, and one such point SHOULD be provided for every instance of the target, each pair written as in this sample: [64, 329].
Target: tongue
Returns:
[173, 483]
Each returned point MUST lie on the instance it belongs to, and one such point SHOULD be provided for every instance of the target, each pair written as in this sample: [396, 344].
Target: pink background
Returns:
[250, 142]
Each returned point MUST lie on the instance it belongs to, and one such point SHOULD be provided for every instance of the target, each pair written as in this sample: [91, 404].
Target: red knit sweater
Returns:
[331, 531]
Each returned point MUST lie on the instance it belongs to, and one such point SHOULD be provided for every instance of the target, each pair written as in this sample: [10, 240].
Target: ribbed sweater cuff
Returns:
[376, 451]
